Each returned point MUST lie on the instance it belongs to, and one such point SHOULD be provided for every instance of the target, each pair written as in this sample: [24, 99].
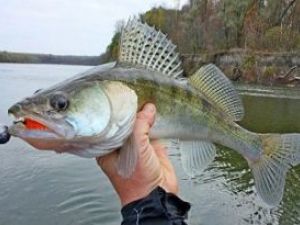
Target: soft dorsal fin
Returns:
[218, 90]
[142, 45]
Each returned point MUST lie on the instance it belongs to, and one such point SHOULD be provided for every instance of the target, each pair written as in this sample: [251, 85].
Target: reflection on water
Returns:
[271, 115]
[46, 188]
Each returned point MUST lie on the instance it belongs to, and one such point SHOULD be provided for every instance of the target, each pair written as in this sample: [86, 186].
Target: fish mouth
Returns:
[35, 127]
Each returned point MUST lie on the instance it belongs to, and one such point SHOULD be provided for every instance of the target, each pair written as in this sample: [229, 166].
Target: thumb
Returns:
[144, 121]
[147, 113]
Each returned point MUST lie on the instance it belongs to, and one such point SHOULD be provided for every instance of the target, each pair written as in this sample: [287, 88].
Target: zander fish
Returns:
[93, 113]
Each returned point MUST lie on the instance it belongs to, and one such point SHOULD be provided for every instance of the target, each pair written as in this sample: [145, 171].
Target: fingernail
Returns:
[149, 108]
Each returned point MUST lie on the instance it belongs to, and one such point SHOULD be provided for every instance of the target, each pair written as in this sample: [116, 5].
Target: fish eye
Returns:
[59, 102]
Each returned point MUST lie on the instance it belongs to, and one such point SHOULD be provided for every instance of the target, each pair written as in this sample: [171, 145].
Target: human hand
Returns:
[153, 166]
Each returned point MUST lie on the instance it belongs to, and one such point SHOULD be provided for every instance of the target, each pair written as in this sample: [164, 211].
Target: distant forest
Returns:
[253, 41]
[14, 57]
[217, 25]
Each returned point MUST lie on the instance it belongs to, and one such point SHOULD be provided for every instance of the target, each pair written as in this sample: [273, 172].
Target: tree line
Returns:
[214, 25]
[246, 30]
[14, 57]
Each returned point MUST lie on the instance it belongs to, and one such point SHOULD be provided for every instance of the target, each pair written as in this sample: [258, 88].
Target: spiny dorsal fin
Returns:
[142, 45]
[218, 90]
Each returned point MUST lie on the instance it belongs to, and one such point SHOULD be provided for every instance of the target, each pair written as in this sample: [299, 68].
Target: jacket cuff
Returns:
[156, 208]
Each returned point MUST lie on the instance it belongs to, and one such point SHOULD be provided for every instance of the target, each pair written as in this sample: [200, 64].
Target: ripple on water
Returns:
[93, 205]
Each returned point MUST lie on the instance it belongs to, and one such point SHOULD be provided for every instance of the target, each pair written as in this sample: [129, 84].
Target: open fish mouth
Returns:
[29, 126]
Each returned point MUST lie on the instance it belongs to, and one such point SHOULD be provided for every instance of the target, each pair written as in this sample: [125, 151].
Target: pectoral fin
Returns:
[196, 156]
[128, 157]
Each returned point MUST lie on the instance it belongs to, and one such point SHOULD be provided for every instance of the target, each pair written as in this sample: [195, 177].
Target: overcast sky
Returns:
[76, 27]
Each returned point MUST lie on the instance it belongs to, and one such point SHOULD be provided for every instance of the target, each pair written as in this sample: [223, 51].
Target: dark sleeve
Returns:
[159, 208]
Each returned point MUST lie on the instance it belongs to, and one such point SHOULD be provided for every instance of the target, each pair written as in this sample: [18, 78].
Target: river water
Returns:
[38, 187]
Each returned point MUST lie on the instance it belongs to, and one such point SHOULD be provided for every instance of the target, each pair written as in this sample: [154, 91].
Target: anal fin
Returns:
[196, 156]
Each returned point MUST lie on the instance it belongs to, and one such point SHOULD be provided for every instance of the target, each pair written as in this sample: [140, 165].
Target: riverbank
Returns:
[280, 92]
[251, 67]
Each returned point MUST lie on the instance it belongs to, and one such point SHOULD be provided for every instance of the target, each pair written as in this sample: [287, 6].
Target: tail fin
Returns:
[279, 153]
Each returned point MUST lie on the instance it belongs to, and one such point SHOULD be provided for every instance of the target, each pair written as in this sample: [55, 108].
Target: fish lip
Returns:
[55, 129]
[19, 130]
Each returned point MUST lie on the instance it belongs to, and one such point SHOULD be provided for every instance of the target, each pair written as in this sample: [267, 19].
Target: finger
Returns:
[144, 121]
[147, 114]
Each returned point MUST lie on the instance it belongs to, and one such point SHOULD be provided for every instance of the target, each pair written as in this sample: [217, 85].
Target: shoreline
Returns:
[268, 91]
[244, 88]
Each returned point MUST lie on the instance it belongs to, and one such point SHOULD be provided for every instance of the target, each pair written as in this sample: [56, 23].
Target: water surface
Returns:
[47, 188]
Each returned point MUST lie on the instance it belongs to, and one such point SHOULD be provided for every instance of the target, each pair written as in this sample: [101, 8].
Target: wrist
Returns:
[132, 191]
[131, 194]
